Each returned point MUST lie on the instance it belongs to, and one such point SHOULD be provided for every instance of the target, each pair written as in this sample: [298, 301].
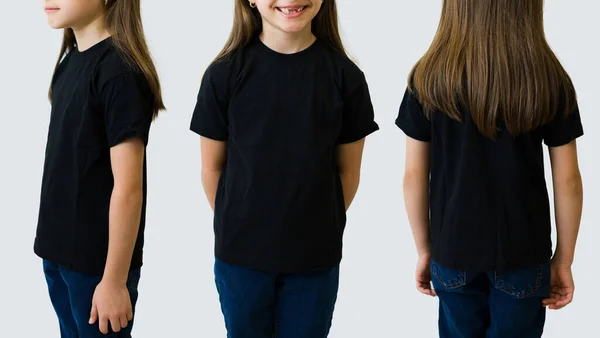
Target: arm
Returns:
[416, 192]
[111, 302]
[568, 200]
[127, 161]
[213, 161]
[349, 162]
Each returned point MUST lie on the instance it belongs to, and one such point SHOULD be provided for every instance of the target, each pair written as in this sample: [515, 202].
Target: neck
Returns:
[90, 34]
[286, 43]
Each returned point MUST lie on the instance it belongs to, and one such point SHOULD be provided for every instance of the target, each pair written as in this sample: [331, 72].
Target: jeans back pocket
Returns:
[447, 278]
[522, 283]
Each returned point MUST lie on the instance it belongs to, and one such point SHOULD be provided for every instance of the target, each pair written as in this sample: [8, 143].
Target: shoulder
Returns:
[346, 71]
[221, 72]
[113, 64]
[222, 68]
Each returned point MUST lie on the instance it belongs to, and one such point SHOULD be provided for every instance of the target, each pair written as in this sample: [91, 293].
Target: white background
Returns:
[177, 294]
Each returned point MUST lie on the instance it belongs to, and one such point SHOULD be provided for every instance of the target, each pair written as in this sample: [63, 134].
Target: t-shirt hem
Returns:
[46, 255]
[210, 135]
[451, 262]
[562, 141]
[129, 134]
[373, 127]
[298, 266]
[411, 133]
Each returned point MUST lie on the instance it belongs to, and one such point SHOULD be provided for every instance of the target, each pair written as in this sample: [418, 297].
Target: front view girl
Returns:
[282, 113]
[104, 94]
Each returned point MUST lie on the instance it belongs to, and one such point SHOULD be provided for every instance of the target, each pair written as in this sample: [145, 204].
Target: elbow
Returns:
[211, 172]
[414, 178]
[574, 183]
[570, 185]
[350, 176]
[129, 194]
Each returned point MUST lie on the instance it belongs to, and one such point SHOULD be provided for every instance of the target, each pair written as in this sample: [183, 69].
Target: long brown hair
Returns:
[247, 24]
[124, 23]
[491, 57]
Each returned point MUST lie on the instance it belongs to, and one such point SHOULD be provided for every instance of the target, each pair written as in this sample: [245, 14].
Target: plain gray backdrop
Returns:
[377, 296]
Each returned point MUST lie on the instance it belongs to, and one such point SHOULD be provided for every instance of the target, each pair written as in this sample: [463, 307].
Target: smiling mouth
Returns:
[291, 10]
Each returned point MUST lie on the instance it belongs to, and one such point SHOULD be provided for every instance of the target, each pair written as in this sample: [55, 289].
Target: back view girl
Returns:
[480, 104]
[283, 114]
[104, 93]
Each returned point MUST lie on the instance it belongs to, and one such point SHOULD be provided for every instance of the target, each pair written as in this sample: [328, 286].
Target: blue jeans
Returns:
[491, 305]
[259, 304]
[71, 295]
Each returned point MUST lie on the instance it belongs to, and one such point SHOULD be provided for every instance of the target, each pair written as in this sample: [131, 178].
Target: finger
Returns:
[422, 290]
[426, 290]
[124, 321]
[115, 323]
[130, 315]
[550, 301]
[429, 293]
[93, 315]
[564, 301]
[103, 325]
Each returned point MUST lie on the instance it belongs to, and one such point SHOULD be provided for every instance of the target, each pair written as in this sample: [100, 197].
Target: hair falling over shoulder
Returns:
[492, 58]
[124, 23]
[247, 24]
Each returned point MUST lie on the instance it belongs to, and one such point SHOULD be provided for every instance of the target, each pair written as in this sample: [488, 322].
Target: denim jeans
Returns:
[259, 304]
[71, 295]
[491, 305]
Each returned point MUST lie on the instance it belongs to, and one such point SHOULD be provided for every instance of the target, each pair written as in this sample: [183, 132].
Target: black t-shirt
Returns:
[279, 204]
[98, 101]
[489, 202]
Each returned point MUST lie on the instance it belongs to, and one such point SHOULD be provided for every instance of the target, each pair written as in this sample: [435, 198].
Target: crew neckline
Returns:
[270, 53]
[92, 48]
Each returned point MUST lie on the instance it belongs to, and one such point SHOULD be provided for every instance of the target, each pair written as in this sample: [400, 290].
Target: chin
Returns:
[293, 28]
[57, 24]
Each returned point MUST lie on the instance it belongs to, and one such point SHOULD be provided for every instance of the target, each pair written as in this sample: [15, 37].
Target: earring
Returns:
[252, 5]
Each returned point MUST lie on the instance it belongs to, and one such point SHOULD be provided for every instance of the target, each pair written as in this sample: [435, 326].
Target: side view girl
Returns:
[480, 104]
[282, 113]
[104, 93]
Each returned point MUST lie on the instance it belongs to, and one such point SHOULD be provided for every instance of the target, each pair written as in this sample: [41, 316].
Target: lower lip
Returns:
[292, 15]
[51, 10]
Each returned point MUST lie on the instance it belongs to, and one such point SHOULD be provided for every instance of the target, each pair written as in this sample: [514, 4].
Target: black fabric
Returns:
[279, 204]
[489, 201]
[98, 101]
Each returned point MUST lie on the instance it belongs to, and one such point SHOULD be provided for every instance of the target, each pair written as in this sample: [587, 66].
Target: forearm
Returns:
[350, 182]
[416, 198]
[210, 182]
[124, 222]
[568, 203]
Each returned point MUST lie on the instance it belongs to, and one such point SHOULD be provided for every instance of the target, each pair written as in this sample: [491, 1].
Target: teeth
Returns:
[291, 11]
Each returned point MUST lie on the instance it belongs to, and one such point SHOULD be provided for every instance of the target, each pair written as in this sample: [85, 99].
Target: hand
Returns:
[423, 275]
[562, 286]
[111, 303]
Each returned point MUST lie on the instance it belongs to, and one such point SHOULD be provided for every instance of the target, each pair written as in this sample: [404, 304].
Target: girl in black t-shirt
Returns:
[104, 94]
[480, 104]
[283, 114]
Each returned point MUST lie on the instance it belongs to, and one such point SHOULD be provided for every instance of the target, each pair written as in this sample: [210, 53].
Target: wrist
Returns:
[114, 279]
[562, 260]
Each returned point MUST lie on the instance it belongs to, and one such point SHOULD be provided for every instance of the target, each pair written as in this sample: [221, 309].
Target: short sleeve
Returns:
[358, 117]
[210, 114]
[127, 103]
[563, 130]
[412, 120]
